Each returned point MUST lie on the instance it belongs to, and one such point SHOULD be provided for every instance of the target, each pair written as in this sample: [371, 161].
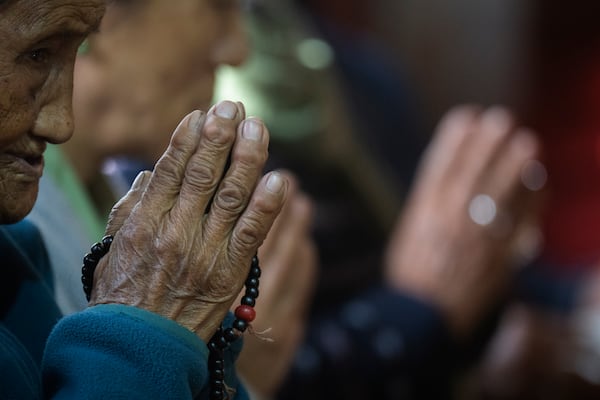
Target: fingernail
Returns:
[139, 180]
[274, 183]
[195, 121]
[252, 130]
[226, 109]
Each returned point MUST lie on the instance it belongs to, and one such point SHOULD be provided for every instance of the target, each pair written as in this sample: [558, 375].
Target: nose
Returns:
[233, 47]
[54, 122]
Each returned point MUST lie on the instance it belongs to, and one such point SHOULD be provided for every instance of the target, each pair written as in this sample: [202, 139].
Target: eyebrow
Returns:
[67, 28]
[61, 33]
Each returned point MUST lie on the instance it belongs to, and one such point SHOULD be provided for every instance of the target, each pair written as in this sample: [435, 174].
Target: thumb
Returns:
[120, 211]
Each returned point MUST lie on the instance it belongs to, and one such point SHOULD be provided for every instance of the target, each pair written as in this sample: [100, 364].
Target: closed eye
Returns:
[39, 56]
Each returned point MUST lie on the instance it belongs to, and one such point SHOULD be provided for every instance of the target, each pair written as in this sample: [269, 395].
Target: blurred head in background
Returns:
[153, 62]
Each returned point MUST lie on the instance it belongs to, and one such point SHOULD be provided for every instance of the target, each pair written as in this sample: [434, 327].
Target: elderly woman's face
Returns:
[153, 62]
[38, 43]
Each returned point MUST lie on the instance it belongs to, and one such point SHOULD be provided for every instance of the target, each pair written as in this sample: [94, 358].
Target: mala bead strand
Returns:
[90, 262]
[223, 337]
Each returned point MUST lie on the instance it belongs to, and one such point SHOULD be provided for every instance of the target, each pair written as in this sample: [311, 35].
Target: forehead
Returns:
[32, 18]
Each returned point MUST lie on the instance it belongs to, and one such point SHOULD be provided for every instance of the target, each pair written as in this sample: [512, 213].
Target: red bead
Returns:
[245, 313]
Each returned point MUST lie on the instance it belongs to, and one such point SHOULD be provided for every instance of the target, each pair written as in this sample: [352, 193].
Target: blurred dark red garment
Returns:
[569, 124]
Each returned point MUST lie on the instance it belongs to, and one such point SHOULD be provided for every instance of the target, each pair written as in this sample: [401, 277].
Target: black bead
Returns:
[213, 347]
[218, 374]
[218, 384]
[240, 325]
[216, 363]
[252, 282]
[230, 335]
[248, 301]
[216, 394]
[255, 272]
[255, 262]
[86, 280]
[222, 342]
[90, 260]
[107, 241]
[252, 292]
[98, 250]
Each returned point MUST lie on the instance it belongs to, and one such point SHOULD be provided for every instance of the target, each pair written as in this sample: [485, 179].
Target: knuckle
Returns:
[219, 134]
[250, 233]
[136, 234]
[250, 157]
[168, 164]
[171, 239]
[200, 175]
[267, 204]
[231, 196]
[170, 246]
[180, 141]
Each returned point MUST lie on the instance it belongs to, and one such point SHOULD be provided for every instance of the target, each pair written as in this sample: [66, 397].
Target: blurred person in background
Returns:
[385, 328]
[540, 58]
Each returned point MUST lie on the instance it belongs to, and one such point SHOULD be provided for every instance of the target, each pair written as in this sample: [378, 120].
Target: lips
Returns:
[25, 162]
[29, 167]
[33, 160]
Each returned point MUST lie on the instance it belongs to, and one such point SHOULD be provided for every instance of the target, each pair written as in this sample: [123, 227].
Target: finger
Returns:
[294, 296]
[166, 179]
[288, 299]
[481, 148]
[121, 211]
[205, 168]
[504, 184]
[248, 159]
[268, 250]
[289, 241]
[256, 220]
[443, 152]
[305, 278]
[504, 180]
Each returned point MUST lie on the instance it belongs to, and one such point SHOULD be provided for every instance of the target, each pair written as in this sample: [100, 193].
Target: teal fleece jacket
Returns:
[104, 352]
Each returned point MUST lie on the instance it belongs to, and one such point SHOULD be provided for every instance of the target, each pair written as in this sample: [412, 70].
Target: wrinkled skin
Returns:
[36, 75]
[152, 63]
[437, 252]
[289, 267]
[171, 258]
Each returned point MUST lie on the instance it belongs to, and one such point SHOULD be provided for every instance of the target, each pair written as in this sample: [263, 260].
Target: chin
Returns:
[14, 209]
